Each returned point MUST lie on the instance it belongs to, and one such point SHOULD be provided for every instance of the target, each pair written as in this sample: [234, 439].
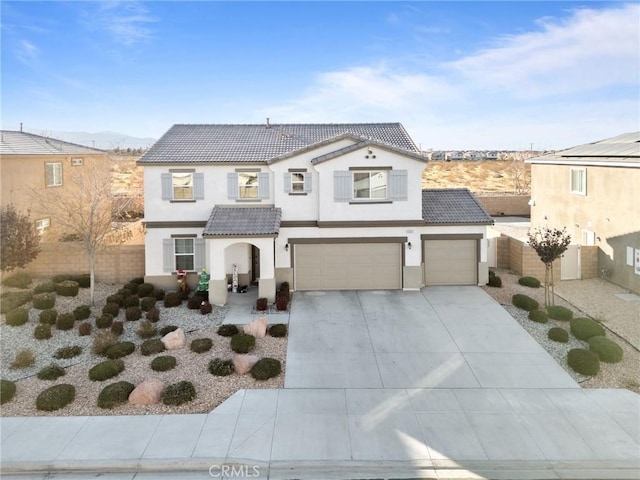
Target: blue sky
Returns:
[463, 75]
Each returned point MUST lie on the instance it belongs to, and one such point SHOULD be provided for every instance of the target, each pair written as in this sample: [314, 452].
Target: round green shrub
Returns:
[607, 350]
[84, 280]
[68, 352]
[524, 302]
[539, 316]
[242, 343]
[163, 363]
[117, 328]
[529, 282]
[82, 312]
[173, 299]
[583, 361]
[112, 309]
[48, 316]
[17, 317]
[220, 367]
[61, 278]
[7, 391]
[145, 289]
[104, 321]
[131, 301]
[146, 329]
[228, 330]
[44, 301]
[132, 287]
[45, 287]
[152, 346]
[103, 340]
[42, 331]
[167, 329]
[558, 312]
[495, 281]
[133, 313]
[201, 345]
[194, 302]
[125, 292]
[14, 299]
[18, 280]
[278, 330]
[266, 368]
[137, 280]
[558, 334]
[65, 321]
[179, 393]
[159, 294]
[120, 350]
[115, 394]
[153, 315]
[51, 372]
[56, 397]
[67, 288]
[585, 328]
[116, 298]
[84, 329]
[147, 303]
[106, 370]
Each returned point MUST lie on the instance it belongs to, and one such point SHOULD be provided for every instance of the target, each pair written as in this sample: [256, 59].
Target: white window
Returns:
[579, 181]
[182, 185]
[297, 182]
[53, 173]
[42, 225]
[248, 184]
[184, 251]
[370, 184]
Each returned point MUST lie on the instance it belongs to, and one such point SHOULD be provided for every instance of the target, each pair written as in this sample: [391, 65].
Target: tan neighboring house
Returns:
[28, 160]
[594, 191]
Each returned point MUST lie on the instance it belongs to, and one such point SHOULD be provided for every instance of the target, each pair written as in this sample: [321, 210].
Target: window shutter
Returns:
[397, 185]
[198, 186]
[48, 174]
[232, 186]
[200, 253]
[342, 186]
[263, 185]
[167, 186]
[168, 258]
[307, 182]
[287, 182]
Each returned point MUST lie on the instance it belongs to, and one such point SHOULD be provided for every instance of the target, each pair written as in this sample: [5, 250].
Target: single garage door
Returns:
[348, 266]
[450, 262]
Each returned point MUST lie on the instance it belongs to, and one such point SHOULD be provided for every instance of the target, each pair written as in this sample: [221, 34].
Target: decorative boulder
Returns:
[148, 392]
[257, 328]
[174, 340]
[243, 363]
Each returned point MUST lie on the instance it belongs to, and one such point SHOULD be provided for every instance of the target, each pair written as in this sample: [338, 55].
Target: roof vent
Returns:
[268, 124]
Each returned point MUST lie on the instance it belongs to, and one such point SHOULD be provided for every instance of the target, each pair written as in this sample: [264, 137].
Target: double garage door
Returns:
[348, 266]
[450, 262]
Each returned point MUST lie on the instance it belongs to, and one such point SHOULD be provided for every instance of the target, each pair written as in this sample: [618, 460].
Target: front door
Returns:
[255, 256]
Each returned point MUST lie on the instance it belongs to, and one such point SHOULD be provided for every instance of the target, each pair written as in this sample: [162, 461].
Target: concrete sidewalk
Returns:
[441, 383]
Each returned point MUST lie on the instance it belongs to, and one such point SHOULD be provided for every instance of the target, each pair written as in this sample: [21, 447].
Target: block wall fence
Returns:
[506, 205]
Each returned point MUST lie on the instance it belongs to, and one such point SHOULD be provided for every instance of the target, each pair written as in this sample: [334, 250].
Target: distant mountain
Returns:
[101, 140]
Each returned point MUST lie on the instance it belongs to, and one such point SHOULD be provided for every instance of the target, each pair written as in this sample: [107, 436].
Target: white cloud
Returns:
[26, 52]
[128, 23]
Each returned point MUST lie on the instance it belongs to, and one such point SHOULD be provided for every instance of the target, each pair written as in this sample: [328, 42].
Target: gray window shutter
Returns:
[263, 185]
[342, 186]
[307, 182]
[198, 186]
[397, 185]
[200, 255]
[287, 182]
[168, 258]
[167, 186]
[232, 186]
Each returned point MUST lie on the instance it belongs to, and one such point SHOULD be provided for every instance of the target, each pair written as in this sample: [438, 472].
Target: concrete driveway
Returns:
[439, 337]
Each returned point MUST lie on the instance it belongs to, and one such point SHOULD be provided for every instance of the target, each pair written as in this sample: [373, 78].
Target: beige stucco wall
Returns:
[505, 205]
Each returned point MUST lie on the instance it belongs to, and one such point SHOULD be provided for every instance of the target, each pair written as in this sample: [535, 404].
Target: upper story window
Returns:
[297, 181]
[370, 184]
[182, 185]
[42, 225]
[248, 185]
[53, 174]
[375, 185]
[578, 181]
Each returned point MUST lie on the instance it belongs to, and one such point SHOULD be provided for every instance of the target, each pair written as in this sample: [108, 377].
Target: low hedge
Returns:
[131, 301]
[11, 300]
[17, 317]
[558, 312]
[56, 397]
[68, 352]
[45, 287]
[607, 350]
[163, 363]
[585, 328]
[539, 316]
[530, 282]
[48, 316]
[18, 280]
[558, 334]
[153, 315]
[115, 394]
[116, 298]
[65, 321]
[524, 302]
[111, 308]
[67, 288]
[7, 391]
[104, 321]
[51, 372]
[201, 345]
[147, 303]
[133, 313]
[583, 361]
[151, 347]
[145, 289]
[120, 350]
[82, 312]
[173, 299]
[44, 301]
[106, 370]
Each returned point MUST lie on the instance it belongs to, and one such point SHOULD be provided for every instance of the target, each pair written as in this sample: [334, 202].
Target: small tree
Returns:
[84, 210]
[549, 244]
[518, 172]
[20, 240]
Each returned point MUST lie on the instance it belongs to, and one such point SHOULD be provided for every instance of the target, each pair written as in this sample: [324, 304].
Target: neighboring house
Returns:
[438, 156]
[28, 160]
[321, 206]
[594, 191]
[492, 155]
[473, 156]
[455, 156]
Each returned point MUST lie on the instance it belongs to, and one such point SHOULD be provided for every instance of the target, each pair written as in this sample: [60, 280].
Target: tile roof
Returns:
[453, 206]
[22, 143]
[363, 144]
[262, 143]
[231, 221]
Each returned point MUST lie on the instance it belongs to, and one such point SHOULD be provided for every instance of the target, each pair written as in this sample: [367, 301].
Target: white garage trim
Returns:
[450, 260]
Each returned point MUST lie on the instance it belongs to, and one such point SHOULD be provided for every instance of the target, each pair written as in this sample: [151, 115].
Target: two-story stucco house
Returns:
[33, 161]
[594, 191]
[321, 206]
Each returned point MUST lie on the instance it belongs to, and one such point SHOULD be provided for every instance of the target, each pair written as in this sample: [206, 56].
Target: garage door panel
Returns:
[348, 266]
[450, 262]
